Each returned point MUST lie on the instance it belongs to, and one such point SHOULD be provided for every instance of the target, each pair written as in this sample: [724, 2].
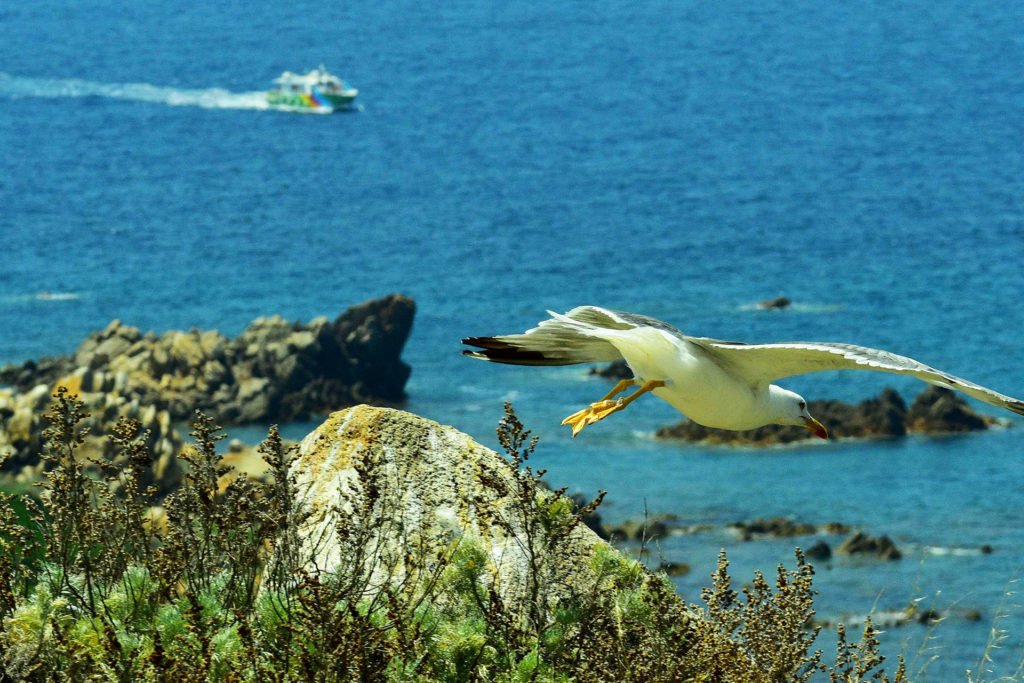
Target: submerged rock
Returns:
[777, 303]
[777, 527]
[651, 529]
[673, 568]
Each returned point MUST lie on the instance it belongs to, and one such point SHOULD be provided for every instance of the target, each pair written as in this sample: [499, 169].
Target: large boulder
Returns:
[412, 484]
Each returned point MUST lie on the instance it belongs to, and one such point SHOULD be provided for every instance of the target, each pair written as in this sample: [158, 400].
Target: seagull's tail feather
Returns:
[559, 341]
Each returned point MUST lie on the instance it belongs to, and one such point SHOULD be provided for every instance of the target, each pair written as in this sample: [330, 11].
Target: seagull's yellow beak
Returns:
[818, 429]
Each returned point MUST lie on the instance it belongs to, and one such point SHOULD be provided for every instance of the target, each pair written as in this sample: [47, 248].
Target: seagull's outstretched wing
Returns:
[563, 340]
[768, 362]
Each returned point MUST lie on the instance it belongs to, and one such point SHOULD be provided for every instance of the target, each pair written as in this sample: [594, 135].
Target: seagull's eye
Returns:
[803, 405]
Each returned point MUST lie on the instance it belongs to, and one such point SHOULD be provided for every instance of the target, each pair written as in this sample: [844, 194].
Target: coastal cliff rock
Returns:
[934, 411]
[274, 371]
[414, 484]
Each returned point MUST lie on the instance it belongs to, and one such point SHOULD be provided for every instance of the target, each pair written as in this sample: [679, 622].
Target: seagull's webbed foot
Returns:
[599, 410]
[592, 413]
[578, 420]
[582, 418]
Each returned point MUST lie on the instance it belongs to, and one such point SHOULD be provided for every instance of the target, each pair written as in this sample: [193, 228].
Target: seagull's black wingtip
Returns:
[498, 350]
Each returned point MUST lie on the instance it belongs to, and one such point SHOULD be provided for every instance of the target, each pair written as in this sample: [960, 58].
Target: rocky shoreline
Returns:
[274, 371]
[854, 543]
[934, 411]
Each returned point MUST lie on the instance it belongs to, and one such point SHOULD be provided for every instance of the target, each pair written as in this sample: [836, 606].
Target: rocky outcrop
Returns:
[274, 371]
[409, 485]
[934, 411]
[913, 613]
[938, 410]
[776, 527]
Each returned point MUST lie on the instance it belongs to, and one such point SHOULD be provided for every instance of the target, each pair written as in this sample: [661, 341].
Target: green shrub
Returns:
[90, 590]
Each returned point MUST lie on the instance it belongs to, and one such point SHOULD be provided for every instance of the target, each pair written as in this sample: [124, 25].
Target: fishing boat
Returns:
[317, 92]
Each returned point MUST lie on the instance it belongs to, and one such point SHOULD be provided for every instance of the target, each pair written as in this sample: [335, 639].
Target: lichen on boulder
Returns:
[418, 488]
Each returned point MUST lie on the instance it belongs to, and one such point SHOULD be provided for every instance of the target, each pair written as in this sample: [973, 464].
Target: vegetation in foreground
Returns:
[92, 588]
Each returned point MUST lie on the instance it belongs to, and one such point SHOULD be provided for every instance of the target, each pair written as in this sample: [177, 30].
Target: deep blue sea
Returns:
[679, 159]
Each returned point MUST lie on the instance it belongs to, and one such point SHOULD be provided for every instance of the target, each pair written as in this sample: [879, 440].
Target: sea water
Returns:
[679, 159]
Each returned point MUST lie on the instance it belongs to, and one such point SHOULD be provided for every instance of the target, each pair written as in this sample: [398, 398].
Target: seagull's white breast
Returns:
[695, 385]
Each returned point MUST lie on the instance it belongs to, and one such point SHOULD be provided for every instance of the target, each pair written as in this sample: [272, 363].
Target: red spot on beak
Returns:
[815, 427]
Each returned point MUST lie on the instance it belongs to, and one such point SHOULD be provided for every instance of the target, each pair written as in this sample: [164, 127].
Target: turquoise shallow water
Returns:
[683, 160]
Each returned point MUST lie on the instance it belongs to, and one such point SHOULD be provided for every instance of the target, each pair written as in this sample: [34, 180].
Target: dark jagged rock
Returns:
[935, 411]
[819, 551]
[372, 336]
[860, 543]
[617, 369]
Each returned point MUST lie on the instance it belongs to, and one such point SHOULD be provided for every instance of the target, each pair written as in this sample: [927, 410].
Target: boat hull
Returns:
[313, 102]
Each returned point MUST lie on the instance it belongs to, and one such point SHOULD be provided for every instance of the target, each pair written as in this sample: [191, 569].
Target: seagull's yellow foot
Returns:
[585, 417]
[602, 409]
[596, 412]
[578, 420]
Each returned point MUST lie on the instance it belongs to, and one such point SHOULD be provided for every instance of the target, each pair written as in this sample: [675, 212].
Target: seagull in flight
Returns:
[722, 384]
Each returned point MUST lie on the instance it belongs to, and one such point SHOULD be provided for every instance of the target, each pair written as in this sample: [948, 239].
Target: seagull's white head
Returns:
[790, 408]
